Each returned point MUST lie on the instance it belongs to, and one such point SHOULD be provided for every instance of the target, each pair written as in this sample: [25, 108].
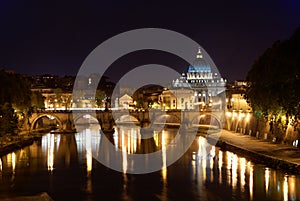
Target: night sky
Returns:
[39, 37]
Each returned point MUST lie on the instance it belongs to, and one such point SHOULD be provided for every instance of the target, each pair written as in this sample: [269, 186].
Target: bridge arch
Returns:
[87, 118]
[49, 116]
[206, 120]
[166, 119]
[127, 119]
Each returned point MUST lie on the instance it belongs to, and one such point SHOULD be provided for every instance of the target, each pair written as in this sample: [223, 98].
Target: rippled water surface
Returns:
[62, 166]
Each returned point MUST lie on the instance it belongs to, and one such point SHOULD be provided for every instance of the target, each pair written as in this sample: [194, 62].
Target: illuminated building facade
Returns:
[206, 82]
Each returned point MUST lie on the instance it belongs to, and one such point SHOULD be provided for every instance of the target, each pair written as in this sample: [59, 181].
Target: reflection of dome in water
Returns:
[199, 65]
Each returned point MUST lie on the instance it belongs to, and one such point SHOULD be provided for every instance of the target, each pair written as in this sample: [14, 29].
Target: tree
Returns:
[62, 98]
[15, 97]
[99, 97]
[274, 91]
[37, 100]
[15, 89]
[58, 96]
[8, 119]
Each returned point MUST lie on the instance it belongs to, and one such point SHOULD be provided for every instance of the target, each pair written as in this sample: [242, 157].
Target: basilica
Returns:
[202, 86]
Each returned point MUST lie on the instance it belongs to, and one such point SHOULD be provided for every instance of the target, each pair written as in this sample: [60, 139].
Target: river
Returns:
[62, 165]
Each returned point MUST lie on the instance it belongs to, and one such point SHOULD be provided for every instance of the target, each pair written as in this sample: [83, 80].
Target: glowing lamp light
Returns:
[50, 117]
[229, 114]
[239, 117]
[86, 116]
[234, 114]
[248, 117]
[202, 116]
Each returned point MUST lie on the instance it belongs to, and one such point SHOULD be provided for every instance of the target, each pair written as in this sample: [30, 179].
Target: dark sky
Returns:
[39, 37]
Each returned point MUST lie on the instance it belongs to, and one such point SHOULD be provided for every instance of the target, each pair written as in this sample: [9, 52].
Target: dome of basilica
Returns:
[199, 65]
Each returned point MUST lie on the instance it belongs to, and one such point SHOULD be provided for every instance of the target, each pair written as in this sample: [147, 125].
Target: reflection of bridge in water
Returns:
[66, 120]
[219, 169]
[63, 150]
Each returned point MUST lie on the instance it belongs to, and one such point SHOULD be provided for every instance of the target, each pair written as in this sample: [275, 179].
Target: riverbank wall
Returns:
[257, 153]
[9, 144]
[249, 124]
[15, 145]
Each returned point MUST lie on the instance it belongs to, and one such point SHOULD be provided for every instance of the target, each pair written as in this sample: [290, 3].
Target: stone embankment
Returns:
[40, 197]
[278, 156]
[9, 146]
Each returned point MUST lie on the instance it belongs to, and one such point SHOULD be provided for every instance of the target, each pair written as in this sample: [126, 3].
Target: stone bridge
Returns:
[66, 120]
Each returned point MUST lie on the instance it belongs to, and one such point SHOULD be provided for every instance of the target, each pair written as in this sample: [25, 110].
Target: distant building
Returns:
[125, 101]
[147, 97]
[177, 98]
[126, 90]
[55, 99]
[205, 81]
[9, 71]
[52, 82]
[242, 84]
[58, 91]
[235, 96]
[201, 87]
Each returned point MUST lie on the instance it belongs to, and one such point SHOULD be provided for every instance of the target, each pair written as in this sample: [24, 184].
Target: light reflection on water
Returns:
[207, 171]
[251, 182]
